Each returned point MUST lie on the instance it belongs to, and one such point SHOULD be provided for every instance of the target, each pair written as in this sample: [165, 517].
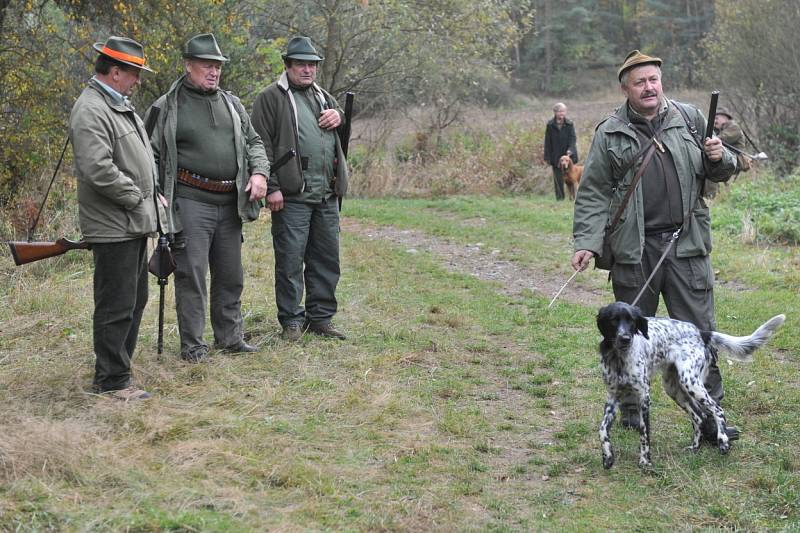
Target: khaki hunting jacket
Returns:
[275, 119]
[603, 187]
[162, 122]
[114, 167]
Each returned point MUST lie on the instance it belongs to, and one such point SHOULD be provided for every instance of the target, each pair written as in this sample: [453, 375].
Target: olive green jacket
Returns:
[603, 187]
[114, 167]
[275, 119]
[162, 123]
[731, 133]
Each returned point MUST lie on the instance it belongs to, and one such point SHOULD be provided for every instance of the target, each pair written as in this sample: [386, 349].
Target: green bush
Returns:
[770, 205]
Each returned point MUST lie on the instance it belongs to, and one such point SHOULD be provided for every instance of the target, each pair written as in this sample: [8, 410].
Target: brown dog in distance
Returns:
[571, 174]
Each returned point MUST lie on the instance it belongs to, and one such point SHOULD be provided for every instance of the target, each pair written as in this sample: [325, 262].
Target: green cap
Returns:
[203, 46]
[301, 48]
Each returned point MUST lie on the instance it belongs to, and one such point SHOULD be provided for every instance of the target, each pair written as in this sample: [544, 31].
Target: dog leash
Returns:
[564, 286]
[660, 260]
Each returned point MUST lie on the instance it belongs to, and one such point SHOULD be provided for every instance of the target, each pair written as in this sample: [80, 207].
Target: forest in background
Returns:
[439, 58]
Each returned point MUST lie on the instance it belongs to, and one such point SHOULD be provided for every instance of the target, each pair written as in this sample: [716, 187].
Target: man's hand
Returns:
[329, 119]
[581, 259]
[257, 187]
[713, 149]
[275, 201]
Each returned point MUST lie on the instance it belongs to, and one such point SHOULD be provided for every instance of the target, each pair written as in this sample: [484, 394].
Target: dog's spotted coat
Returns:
[634, 348]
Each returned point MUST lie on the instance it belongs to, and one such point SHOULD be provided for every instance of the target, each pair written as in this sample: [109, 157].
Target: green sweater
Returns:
[316, 145]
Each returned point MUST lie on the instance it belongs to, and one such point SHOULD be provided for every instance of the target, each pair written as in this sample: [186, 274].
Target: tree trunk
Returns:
[548, 45]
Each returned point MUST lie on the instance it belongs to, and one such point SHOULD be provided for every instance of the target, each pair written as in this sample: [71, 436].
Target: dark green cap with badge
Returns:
[123, 50]
[302, 49]
[203, 46]
[636, 59]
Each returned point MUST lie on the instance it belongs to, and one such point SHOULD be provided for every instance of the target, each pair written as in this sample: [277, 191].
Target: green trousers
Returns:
[120, 296]
[305, 238]
[687, 287]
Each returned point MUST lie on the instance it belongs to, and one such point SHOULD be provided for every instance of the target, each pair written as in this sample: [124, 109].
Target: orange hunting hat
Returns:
[124, 50]
[634, 59]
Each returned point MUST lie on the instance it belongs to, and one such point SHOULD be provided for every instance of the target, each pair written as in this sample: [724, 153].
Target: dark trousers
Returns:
[211, 238]
[305, 238]
[558, 182]
[687, 286]
[120, 295]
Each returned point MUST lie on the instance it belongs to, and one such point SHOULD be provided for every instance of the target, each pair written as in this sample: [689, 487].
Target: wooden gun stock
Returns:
[28, 252]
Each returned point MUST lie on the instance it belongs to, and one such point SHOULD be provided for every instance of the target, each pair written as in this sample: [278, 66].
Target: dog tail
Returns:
[742, 348]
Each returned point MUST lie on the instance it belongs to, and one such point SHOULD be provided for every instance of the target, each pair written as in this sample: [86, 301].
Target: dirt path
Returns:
[483, 263]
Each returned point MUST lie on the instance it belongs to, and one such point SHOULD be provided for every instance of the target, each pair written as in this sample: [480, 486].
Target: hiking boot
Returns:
[128, 394]
[240, 347]
[195, 355]
[326, 330]
[292, 332]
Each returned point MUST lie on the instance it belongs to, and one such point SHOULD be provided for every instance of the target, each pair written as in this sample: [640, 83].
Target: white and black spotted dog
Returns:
[635, 347]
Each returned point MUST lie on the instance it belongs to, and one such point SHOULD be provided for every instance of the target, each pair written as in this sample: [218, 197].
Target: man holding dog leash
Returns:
[653, 140]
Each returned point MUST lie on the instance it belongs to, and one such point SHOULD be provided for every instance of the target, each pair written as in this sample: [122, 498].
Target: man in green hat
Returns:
[117, 208]
[295, 113]
[213, 172]
[668, 198]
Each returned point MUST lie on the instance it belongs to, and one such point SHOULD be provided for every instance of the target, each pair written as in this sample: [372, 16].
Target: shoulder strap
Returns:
[689, 124]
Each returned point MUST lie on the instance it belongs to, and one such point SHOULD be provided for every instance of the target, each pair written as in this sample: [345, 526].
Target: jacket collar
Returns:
[673, 119]
[283, 83]
[123, 107]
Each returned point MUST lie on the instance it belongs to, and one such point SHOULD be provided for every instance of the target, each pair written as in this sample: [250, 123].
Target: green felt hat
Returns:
[203, 46]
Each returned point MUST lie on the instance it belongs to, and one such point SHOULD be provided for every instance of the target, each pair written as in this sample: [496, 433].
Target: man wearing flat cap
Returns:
[213, 172]
[117, 208]
[650, 138]
[294, 113]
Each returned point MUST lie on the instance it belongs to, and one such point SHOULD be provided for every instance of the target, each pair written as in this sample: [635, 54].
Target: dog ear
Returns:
[605, 324]
[641, 323]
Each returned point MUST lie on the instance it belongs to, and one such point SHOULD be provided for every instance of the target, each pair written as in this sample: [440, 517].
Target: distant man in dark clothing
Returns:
[559, 139]
[295, 113]
[666, 199]
[213, 172]
[117, 208]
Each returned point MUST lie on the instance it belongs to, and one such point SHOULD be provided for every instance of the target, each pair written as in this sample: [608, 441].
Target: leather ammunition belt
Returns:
[194, 180]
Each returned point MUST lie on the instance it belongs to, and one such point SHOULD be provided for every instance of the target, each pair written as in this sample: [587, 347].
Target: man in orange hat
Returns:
[666, 202]
[117, 208]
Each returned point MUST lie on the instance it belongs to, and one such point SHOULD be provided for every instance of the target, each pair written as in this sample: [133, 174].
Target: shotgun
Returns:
[28, 252]
[712, 112]
[345, 129]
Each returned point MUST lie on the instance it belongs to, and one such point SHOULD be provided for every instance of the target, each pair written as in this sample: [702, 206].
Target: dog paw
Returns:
[645, 463]
[694, 448]
[724, 447]
[608, 461]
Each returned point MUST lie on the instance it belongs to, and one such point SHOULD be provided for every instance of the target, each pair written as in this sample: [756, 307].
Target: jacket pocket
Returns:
[141, 219]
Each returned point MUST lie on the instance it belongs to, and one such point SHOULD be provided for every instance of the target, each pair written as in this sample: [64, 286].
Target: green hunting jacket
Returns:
[114, 167]
[275, 119]
[162, 123]
[731, 133]
[603, 186]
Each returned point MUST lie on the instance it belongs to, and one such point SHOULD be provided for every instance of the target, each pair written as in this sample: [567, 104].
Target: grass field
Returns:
[452, 406]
